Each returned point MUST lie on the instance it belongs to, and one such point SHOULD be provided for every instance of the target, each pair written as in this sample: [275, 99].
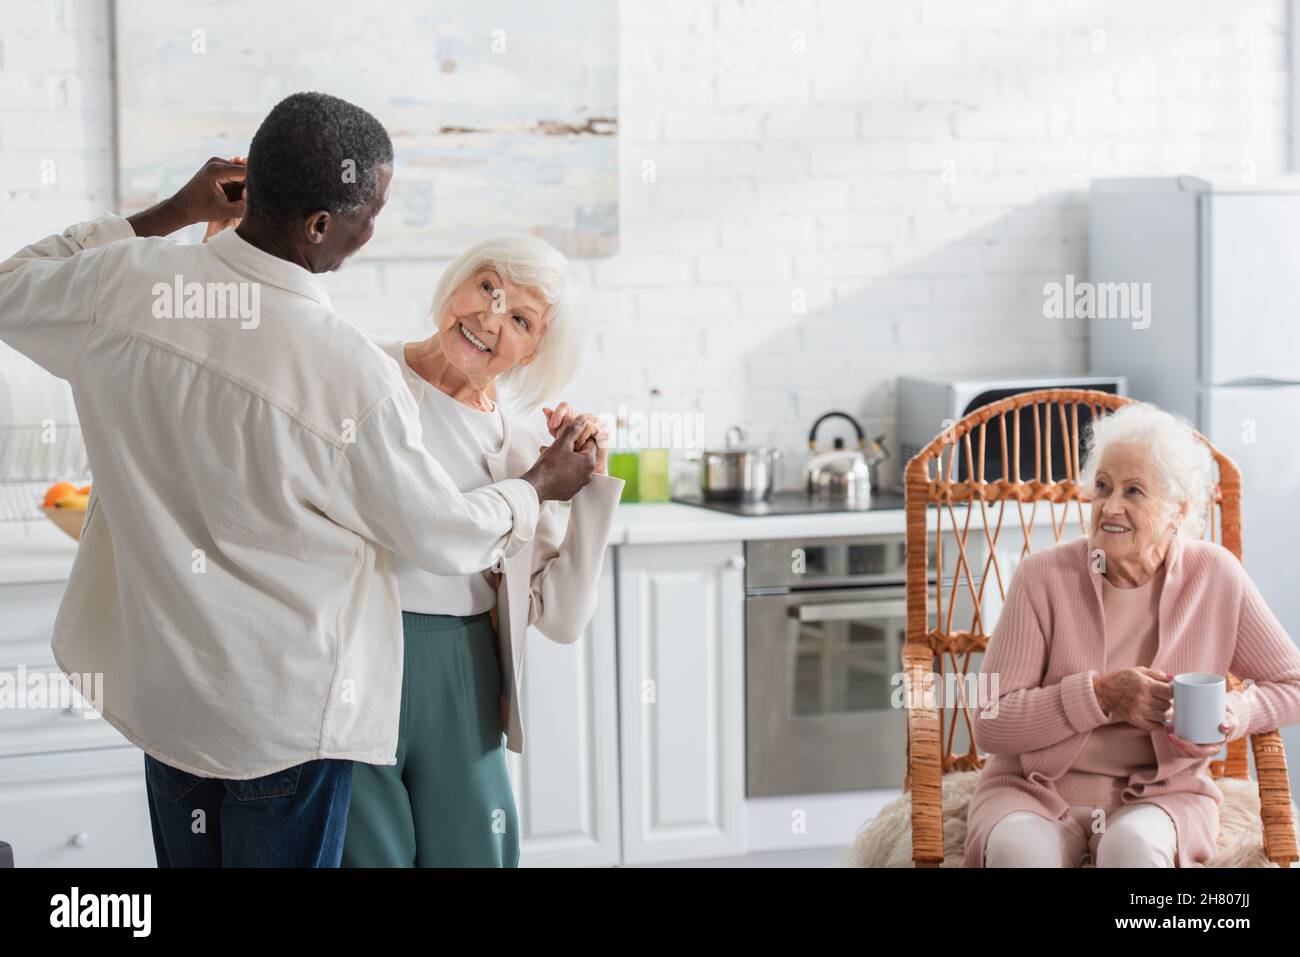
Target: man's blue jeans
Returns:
[292, 818]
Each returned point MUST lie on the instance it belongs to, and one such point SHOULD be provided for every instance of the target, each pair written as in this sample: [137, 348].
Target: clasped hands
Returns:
[593, 432]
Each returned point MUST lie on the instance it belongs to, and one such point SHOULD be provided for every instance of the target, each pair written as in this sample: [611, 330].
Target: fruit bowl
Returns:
[68, 519]
[65, 506]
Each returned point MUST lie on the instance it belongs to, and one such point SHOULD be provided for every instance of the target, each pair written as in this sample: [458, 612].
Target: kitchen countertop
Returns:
[39, 552]
[670, 522]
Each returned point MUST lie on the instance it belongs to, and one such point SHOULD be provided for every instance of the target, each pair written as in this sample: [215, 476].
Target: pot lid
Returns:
[735, 438]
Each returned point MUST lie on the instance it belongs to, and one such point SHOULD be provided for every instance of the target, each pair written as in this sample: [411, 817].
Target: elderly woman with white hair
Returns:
[1083, 762]
[507, 311]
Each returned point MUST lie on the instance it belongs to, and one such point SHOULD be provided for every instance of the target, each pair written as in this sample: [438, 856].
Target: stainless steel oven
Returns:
[825, 622]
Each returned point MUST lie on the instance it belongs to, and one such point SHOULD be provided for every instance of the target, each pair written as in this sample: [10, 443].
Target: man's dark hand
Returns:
[214, 194]
[561, 471]
[234, 190]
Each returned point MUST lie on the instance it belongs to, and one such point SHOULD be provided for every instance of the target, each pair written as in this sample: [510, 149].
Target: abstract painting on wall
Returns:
[503, 116]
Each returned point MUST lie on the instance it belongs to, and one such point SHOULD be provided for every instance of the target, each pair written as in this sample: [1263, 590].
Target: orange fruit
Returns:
[84, 490]
[57, 491]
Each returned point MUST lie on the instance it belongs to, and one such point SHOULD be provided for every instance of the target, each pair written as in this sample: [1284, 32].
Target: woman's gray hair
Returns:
[1183, 461]
[534, 263]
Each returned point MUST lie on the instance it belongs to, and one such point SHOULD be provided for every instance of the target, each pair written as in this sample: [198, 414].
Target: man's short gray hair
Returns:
[534, 263]
[1182, 460]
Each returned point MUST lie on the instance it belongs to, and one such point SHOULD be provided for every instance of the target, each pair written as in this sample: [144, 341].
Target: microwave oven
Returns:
[927, 406]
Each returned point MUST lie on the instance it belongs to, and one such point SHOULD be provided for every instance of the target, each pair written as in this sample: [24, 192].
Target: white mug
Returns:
[1200, 702]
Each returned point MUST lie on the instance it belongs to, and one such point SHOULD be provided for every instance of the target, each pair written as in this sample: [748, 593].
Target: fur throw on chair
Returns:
[886, 840]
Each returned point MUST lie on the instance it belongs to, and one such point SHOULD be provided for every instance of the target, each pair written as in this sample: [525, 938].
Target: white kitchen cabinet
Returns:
[681, 700]
[27, 622]
[566, 781]
[72, 790]
[76, 809]
[58, 720]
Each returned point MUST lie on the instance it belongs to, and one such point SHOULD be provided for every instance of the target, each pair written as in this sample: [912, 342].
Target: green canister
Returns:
[653, 478]
[625, 463]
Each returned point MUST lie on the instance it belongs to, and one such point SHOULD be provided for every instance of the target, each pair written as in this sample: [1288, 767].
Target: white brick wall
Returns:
[915, 175]
[56, 113]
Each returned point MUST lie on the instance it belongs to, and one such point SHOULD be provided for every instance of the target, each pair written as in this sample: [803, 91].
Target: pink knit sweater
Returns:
[1049, 643]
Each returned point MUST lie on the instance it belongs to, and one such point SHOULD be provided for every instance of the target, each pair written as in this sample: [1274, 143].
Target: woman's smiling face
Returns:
[490, 325]
[1131, 515]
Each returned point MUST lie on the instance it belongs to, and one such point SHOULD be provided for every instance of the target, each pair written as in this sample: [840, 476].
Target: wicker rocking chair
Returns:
[967, 477]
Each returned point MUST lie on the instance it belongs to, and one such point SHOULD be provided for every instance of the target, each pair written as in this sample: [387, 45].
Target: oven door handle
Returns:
[850, 610]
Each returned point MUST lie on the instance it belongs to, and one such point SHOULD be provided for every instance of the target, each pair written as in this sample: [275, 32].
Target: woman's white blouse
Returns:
[460, 438]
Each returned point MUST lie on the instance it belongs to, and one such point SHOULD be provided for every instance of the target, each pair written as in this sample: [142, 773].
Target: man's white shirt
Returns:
[254, 479]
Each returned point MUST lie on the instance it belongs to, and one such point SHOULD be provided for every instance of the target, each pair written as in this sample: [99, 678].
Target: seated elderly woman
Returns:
[507, 310]
[1083, 760]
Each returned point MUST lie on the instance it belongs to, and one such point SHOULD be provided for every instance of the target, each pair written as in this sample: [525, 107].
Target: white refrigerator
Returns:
[1219, 342]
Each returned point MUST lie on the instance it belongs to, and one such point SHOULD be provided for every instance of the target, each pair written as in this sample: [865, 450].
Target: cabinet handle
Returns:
[80, 839]
[736, 561]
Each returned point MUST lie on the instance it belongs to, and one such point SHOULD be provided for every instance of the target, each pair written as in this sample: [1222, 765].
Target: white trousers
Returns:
[1128, 835]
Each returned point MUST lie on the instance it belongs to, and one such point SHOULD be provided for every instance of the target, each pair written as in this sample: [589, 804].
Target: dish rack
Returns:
[34, 457]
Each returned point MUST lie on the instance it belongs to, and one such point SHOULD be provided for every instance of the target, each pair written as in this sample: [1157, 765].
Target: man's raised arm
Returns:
[48, 289]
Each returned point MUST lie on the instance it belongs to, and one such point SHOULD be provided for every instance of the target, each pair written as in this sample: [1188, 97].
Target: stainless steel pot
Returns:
[737, 473]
